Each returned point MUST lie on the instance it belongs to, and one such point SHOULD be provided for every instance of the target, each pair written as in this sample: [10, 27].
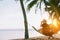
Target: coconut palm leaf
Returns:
[32, 4]
[37, 6]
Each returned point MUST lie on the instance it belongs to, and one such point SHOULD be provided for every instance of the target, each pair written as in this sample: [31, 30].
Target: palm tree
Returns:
[51, 6]
[25, 20]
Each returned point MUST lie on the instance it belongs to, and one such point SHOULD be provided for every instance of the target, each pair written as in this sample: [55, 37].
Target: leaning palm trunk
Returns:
[25, 20]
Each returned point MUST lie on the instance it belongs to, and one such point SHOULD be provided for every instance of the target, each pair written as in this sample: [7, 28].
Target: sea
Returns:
[8, 34]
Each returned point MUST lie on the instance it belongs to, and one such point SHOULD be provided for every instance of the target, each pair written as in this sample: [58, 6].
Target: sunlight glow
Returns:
[55, 22]
[59, 32]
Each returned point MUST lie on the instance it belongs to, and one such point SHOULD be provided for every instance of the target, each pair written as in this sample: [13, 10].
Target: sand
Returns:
[38, 38]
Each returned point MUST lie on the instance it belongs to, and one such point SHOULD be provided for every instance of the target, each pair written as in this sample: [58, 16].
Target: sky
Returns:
[11, 16]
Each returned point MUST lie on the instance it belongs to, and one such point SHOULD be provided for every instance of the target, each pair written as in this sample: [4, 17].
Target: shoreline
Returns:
[38, 38]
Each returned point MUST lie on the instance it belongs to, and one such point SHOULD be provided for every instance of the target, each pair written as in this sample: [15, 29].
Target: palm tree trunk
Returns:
[25, 20]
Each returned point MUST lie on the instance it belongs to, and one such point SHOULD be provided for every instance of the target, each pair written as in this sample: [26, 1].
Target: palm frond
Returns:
[32, 4]
[40, 4]
[27, 1]
[36, 7]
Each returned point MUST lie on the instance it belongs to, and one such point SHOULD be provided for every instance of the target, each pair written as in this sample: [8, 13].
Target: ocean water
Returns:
[7, 34]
